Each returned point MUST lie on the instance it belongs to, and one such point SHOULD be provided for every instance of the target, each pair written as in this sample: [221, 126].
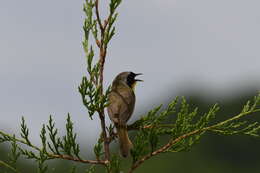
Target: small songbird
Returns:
[121, 107]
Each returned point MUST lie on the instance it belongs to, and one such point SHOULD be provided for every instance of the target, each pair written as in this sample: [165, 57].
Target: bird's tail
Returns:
[124, 141]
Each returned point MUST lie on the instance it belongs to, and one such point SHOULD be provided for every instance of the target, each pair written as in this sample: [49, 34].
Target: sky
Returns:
[176, 44]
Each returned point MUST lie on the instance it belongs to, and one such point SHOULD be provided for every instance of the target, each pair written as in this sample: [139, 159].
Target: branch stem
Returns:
[102, 57]
[19, 140]
[133, 127]
[8, 166]
[98, 16]
[105, 137]
[67, 157]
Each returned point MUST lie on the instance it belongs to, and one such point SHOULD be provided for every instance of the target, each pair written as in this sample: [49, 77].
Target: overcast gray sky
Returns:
[175, 43]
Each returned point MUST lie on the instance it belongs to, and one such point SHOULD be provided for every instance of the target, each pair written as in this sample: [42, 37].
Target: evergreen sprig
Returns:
[69, 145]
[98, 148]
[187, 129]
[14, 154]
[25, 132]
[6, 165]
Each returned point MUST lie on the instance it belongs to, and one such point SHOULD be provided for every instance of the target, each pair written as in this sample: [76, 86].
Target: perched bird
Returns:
[121, 107]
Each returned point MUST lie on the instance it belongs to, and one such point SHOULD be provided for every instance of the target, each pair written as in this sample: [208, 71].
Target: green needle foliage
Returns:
[175, 128]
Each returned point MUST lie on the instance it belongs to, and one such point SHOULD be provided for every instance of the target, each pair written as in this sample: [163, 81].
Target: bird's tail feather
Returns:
[124, 141]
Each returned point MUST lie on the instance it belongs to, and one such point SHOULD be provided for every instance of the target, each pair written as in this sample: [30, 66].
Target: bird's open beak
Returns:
[138, 80]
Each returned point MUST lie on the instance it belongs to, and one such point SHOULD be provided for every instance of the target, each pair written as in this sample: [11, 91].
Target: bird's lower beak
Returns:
[138, 80]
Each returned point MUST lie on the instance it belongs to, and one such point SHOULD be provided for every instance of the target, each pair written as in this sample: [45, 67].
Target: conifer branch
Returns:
[98, 16]
[138, 127]
[2, 163]
[52, 155]
[212, 128]
[66, 157]
[9, 137]
[91, 89]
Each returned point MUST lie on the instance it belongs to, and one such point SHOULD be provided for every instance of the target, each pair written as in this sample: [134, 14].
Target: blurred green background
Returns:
[214, 153]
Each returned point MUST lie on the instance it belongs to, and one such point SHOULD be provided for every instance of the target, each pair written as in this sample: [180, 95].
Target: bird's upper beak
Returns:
[138, 80]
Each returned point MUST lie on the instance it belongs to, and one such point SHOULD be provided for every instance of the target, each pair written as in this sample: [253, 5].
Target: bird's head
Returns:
[128, 78]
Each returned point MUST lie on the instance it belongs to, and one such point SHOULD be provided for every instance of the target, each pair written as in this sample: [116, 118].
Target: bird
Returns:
[121, 106]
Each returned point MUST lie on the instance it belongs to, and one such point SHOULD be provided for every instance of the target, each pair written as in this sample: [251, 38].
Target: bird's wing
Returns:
[128, 98]
[121, 105]
[114, 107]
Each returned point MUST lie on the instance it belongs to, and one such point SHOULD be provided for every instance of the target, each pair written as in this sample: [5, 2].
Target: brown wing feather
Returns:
[114, 107]
[129, 100]
[122, 102]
